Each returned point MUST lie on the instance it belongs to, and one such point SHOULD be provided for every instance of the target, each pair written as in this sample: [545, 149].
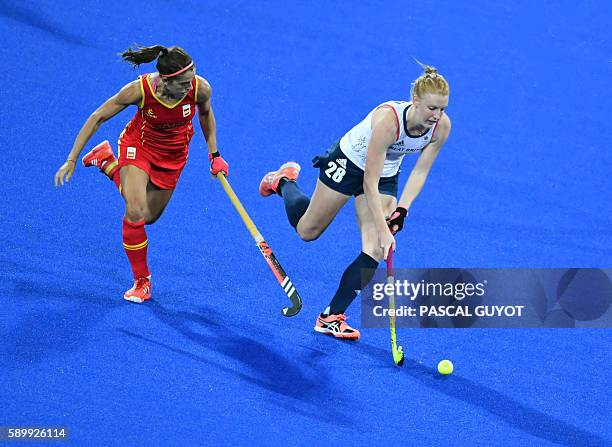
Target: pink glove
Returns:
[217, 164]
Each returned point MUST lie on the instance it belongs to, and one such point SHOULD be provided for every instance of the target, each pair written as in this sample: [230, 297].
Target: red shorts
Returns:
[132, 153]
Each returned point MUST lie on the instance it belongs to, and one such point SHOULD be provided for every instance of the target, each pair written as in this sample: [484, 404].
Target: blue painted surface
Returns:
[522, 182]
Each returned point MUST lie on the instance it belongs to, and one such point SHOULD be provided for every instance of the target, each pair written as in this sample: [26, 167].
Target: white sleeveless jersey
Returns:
[354, 144]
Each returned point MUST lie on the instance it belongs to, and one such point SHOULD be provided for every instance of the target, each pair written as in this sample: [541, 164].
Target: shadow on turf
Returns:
[22, 14]
[511, 411]
[52, 319]
[265, 367]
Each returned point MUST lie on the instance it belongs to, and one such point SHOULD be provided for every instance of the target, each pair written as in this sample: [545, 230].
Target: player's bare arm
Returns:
[206, 115]
[384, 131]
[130, 94]
[421, 170]
[209, 127]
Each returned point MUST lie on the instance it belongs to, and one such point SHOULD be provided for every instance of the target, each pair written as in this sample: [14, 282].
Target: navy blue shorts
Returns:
[345, 177]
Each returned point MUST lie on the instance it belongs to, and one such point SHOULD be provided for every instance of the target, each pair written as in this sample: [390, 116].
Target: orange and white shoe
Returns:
[336, 325]
[100, 156]
[140, 292]
[269, 183]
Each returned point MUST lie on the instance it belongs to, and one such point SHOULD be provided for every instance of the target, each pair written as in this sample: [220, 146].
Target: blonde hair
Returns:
[429, 82]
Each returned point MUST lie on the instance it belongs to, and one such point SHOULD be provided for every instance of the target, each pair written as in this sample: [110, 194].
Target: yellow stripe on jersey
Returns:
[195, 97]
[142, 93]
[136, 246]
[168, 106]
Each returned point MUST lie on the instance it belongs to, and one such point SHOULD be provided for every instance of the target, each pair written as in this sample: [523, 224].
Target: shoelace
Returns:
[140, 283]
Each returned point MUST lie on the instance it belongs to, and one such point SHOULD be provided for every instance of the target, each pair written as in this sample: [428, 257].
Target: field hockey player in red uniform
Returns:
[153, 147]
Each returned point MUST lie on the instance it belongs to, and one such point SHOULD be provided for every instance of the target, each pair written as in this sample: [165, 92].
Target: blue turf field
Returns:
[524, 181]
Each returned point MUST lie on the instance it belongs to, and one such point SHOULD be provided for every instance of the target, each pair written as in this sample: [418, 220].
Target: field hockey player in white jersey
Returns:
[365, 164]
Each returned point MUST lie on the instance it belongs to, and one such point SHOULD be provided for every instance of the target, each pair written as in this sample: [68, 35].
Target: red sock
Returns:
[116, 178]
[135, 243]
[111, 169]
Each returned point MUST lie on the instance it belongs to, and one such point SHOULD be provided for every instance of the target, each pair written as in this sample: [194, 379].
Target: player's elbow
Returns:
[97, 118]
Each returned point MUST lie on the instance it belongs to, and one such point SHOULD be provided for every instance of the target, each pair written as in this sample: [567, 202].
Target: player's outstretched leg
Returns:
[103, 158]
[309, 216]
[283, 182]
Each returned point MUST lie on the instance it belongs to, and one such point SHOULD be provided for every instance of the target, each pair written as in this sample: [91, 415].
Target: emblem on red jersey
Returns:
[150, 113]
[130, 154]
[186, 110]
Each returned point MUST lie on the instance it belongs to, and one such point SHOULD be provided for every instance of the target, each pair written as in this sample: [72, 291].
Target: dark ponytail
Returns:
[140, 55]
[169, 60]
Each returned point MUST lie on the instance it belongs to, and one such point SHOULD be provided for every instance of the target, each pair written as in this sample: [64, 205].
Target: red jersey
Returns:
[163, 130]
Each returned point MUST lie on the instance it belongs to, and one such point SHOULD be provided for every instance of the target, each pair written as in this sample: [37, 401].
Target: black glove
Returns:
[318, 161]
[396, 220]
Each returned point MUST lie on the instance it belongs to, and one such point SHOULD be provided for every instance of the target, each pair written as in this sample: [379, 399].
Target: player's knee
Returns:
[309, 234]
[135, 210]
[373, 252]
[135, 215]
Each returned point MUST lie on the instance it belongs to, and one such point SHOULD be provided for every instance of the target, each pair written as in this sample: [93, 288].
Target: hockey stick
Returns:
[266, 251]
[398, 352]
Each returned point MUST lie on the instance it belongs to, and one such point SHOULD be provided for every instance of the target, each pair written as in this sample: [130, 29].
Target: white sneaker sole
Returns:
[134, 299]
[290, 164]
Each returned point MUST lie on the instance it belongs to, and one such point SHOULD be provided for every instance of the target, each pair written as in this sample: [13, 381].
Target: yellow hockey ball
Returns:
[445, 367]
